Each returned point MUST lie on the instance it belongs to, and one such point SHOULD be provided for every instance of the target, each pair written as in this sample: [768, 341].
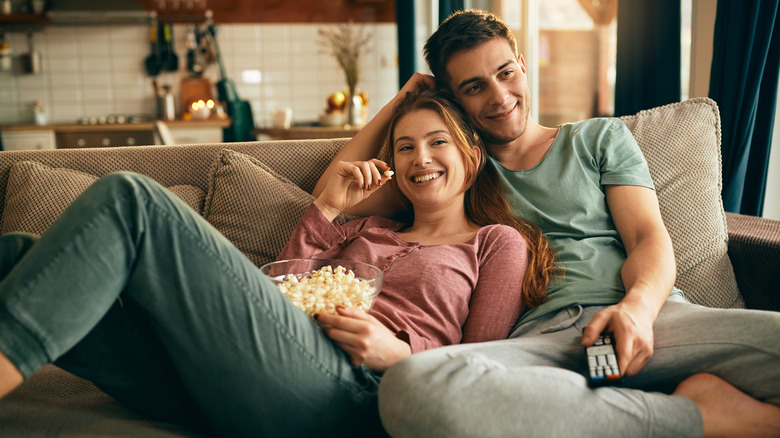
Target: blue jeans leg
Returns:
[252, 363]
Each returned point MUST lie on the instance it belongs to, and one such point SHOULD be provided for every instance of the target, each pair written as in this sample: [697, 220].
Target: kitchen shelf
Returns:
[22, 22]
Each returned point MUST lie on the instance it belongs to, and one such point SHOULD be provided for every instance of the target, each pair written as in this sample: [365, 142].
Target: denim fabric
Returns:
[133, 290]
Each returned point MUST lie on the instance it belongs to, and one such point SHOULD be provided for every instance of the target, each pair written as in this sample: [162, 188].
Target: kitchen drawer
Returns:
[25, 140]
[111, 138]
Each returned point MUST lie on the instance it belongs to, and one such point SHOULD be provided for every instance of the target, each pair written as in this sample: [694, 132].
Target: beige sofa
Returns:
[254, 193]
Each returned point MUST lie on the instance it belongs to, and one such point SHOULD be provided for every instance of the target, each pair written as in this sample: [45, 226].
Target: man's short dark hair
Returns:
[463, 30]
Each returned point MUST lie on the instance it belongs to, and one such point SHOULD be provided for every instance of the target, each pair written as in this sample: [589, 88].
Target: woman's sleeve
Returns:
[313, 235]
[497, 300]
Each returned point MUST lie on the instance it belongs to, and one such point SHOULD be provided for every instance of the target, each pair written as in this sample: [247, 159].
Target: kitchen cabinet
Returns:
[25, 140]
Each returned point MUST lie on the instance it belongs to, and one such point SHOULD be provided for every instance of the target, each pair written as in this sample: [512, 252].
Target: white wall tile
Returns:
[87, 70]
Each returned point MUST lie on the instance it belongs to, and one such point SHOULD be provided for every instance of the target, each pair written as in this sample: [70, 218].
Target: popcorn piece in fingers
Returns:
[388, 173]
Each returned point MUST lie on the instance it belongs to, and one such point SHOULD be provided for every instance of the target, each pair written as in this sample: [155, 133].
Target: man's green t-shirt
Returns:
[564, 195]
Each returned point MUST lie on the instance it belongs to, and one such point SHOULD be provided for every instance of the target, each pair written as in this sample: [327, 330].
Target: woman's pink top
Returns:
[432, 295]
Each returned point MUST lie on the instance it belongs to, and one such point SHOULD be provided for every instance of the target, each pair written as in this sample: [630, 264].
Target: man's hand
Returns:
[632, 328]
[351, 183]
[366, 340]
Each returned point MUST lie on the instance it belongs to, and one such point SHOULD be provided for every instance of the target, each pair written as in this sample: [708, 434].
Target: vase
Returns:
[354, 109]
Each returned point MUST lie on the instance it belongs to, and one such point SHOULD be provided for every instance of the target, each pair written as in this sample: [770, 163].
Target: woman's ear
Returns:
[477, 153]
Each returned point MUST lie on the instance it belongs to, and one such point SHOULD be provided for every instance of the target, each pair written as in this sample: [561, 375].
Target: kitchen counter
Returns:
[307, 132]
[106, 127]
[76, 135]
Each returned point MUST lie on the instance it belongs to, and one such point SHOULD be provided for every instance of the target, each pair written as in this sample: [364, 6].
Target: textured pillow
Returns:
[37, 194]
[252, 205]
[681, 143]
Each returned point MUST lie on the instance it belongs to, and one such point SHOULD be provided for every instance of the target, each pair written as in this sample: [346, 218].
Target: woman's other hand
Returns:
[364, 339]
[351, 183]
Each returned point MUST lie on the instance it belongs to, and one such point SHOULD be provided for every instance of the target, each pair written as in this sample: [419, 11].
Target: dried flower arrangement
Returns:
[346, 43]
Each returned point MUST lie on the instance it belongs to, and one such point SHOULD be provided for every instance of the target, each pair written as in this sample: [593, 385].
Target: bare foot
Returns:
[728, 412]
[10, 377]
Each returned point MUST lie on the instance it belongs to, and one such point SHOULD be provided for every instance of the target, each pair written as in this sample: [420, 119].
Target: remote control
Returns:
[602, 362]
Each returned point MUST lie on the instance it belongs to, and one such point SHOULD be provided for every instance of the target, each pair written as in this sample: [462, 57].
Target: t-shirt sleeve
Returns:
[497, 300]
[620, 159]
[312, 235]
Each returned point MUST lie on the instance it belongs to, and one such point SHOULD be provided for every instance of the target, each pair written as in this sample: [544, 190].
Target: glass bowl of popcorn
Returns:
[319, 285]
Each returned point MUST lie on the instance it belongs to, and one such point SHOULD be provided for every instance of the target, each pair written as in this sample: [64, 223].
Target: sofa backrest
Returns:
[301, 161]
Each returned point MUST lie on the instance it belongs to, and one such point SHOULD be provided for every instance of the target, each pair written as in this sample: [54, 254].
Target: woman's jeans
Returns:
[132, 290]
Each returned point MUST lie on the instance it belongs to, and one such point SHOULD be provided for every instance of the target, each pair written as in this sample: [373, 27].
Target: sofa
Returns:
[254, 193]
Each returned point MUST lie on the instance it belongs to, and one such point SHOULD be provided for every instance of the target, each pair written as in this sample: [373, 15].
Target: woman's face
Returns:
[429, 166]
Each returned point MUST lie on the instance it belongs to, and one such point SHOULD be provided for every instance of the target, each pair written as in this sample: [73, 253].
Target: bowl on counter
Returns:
[319, 285]
[335, 118]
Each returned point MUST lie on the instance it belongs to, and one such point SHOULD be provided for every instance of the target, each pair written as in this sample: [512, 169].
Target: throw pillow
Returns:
[681, 143]
[252, 205]
[37, 194]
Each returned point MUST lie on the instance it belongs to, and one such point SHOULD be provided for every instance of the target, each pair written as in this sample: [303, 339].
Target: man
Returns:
[588, 187]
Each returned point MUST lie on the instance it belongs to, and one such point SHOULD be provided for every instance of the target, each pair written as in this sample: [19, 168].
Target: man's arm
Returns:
[648, 276]
[365, 145]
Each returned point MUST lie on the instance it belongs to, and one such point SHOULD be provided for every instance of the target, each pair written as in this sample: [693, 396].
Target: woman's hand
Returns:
[364, 339]
[351, 183]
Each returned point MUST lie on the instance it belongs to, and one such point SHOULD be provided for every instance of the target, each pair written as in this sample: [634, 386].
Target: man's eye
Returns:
[508, 72]
[473, 89]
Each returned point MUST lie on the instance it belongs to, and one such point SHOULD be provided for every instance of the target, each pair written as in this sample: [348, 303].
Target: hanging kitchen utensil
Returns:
[191, 42]
[171, 59]
[32, 60]
[152, 62]
[240, 111]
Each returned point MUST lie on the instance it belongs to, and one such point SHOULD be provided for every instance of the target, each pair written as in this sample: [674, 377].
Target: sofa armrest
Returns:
[754, 250]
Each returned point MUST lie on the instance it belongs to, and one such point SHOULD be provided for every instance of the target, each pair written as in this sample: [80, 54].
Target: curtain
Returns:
[407, 36]
[743, 81]
[447, 7]
[648, 54]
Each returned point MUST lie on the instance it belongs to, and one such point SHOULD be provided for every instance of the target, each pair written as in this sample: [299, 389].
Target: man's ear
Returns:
[521, 61]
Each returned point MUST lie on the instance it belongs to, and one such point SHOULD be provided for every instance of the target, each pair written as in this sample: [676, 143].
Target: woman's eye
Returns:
[439, 142]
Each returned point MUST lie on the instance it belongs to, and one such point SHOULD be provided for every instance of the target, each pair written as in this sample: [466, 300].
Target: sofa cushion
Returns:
[681, 143]
[252, 205]
[37, 194]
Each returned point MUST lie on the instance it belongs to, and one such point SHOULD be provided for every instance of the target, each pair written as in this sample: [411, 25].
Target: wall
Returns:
[98, 70]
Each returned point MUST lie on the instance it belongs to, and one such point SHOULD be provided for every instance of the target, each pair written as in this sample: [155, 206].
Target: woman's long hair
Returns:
[484, 202]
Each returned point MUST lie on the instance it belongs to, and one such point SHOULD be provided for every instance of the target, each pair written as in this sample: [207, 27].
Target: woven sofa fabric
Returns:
[301, 161]
[55, 403]
[681, 143]
[754, 250]
[37, 194]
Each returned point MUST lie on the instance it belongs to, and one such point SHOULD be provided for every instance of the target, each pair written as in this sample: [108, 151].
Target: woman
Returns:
[198, 335]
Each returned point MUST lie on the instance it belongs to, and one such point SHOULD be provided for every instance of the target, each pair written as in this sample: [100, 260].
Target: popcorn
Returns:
[327, 288]
[388, 173]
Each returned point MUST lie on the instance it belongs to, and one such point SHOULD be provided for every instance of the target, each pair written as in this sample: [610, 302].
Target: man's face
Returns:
[490, 82]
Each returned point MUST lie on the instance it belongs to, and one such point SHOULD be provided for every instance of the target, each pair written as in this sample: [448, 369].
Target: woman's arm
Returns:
[365, 145]
[497, 301]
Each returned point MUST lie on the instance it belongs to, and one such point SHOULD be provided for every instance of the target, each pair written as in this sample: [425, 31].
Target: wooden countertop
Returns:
[144, 126]
[307, 132]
